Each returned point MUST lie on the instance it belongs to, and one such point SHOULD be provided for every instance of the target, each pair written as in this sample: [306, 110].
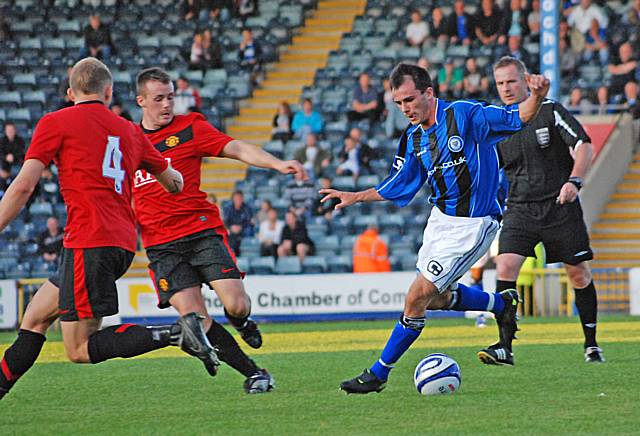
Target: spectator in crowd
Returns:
[307, 120]
[395, 122]
[186, 97]
[250, 55]
[5, 29]
[97, 39]
[460, 26]
[50, 241]
[265, 207]
[118, 109]
[568, 59]
[300, 193]
[365, 101]
[49, 189]
[370, 252]
[623, 84]
[246, 8]
[417, 30]
[533, 22]
[450, 80]
[270, 234]
[577, 104]
[516, 20]
[632, 15]
[193, 10]
[584, 31]
[489, 22]
[326, 209]
[282, 122]
[515, 50]
[197, 56]
[439, 26]
[475, 85]
[212, 51]
[12, 146]
[295, 239]
[424, 63]
[220, 10]
[238, 217]
[596, 42]
[314, 158]
[355, 157]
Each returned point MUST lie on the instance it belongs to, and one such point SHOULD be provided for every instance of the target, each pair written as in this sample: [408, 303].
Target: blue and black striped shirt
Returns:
[457, 156]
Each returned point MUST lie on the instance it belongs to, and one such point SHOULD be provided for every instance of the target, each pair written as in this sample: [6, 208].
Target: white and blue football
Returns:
[437, 374]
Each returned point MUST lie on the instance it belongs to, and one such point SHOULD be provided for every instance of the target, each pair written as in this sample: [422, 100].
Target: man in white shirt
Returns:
[417, 30]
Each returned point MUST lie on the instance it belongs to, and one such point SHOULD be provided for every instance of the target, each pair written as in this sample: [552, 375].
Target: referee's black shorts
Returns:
[560, 227]
[199, 258]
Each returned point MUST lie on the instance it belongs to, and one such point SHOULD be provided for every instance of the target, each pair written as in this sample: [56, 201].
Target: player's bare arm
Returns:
[349, 198]
[171, 180]
[257, 157]
[19, 191]
[583, 156]
[539, 87]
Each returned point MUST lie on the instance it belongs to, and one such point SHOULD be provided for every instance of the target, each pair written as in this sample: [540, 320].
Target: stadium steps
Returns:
[616, 235]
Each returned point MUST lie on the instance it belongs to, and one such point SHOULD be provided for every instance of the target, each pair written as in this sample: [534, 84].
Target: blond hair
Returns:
[90, 76]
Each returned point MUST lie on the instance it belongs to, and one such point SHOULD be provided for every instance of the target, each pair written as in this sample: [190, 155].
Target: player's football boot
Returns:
[250, 333]
[363, 384]
[194, 341]
[593, 355]
[507, 320]
[496, 354]
[259, 382]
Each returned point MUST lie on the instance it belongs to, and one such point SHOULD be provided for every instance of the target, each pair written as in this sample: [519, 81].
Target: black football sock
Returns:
[237, 323]
[229, 351]
[19, 358]
[503, 285]
[587, 304]
[127, 340]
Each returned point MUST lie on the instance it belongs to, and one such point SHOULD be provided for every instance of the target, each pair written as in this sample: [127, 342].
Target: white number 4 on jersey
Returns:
[111, 165]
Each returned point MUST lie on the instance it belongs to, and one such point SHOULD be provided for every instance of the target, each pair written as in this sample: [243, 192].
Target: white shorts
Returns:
[491, 254]
[451, 245]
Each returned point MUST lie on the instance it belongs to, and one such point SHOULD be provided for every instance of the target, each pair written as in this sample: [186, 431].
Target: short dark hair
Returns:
[420, 76]
[505, 61]
[151, 74]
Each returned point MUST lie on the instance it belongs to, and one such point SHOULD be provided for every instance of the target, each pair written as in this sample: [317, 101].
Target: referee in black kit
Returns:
[545, 163]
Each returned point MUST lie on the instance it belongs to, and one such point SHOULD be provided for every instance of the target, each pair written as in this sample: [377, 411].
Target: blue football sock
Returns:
[470, 298]
[403, 335]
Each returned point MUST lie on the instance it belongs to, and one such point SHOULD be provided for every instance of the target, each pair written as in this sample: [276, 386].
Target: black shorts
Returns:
[559, 227]
[190, 261]
[87, 281]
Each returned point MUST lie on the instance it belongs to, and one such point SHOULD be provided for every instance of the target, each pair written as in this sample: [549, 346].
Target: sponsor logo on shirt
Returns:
[452, 163]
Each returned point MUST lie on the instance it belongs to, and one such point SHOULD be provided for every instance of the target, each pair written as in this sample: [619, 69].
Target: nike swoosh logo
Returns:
[226, 270]
[62, 312]
[580, 253]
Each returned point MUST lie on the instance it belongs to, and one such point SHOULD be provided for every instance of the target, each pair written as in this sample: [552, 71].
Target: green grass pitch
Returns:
[549, 391]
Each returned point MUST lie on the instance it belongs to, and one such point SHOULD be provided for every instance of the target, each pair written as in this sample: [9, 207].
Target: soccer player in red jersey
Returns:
[184, 236]
[96, 153]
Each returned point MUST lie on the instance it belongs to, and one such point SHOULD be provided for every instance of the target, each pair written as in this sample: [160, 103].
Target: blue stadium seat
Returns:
[392, 224]
[243, 264]
[314, 265]
[44, 209]
[340, 264]
[288, 265]
[10, 99]
[262, 265]
[250, 247]
[360, 223]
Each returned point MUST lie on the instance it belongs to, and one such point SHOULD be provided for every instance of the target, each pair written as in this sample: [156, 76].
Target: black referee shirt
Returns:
[537, 160]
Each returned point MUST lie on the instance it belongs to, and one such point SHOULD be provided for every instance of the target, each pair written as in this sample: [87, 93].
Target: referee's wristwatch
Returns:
[576, 181]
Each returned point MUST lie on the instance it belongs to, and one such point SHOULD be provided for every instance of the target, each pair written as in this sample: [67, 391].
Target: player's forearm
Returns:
[250, 154]
[583, 158]
[19, 191]
[368, 195]
[529, 108]
[171, 180]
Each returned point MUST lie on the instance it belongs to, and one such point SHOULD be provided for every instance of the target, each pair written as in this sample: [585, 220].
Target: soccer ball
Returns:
[437, 374]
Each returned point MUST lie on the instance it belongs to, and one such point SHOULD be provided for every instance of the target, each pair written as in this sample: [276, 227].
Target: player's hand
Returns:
[346, 198]
[292, 167]
[538, 84]
[568, 194]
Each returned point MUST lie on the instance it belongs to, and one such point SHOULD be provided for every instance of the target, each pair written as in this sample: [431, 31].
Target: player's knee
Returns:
[77, 355]
[239, 306]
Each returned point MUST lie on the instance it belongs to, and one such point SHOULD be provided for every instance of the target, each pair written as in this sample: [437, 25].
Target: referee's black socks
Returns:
[587, 304]
[19, 357]
[126, 340]
[503, 285]
[229, 351]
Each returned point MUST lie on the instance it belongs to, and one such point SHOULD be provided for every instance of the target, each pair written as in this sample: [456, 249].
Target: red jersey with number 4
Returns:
[163, 217]
[97, 154]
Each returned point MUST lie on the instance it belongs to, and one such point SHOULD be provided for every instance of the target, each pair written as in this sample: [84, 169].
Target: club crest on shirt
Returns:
[542, 136]
[172, 141]
[455, 144]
